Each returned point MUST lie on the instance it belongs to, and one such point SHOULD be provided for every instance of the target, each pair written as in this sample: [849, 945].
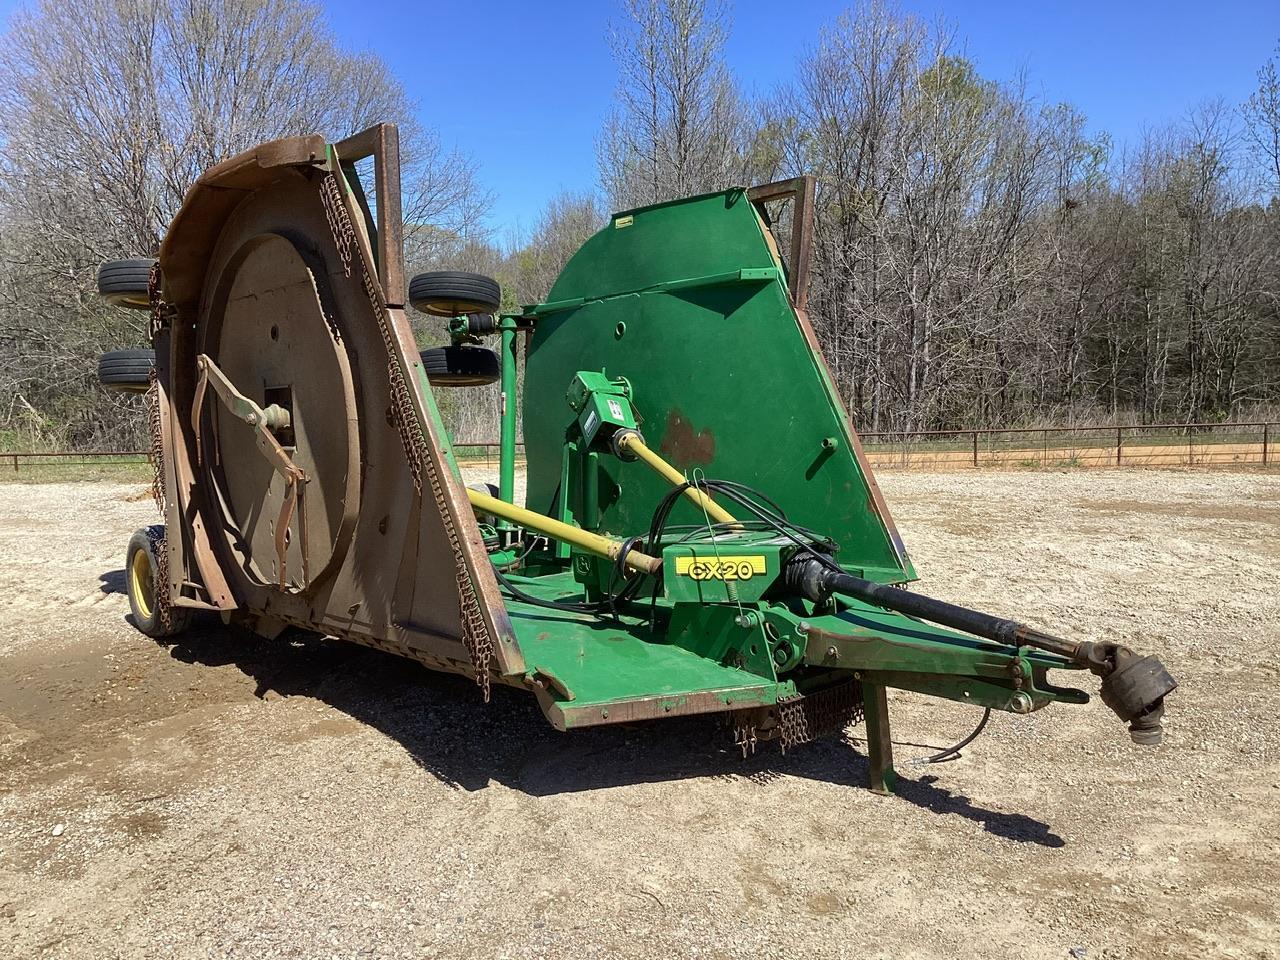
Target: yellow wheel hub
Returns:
[142, 583]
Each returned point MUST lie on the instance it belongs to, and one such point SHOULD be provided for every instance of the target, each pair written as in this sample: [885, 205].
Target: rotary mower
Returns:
[701, 532]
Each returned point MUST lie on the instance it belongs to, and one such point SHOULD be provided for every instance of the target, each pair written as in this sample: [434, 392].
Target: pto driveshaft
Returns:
[1133, 686]
[556, 530]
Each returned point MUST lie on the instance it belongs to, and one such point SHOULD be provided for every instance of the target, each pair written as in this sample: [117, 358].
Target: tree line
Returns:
[981, 257]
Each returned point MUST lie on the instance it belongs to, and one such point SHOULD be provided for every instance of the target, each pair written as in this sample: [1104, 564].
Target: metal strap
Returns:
[155, 454]
[475, 633]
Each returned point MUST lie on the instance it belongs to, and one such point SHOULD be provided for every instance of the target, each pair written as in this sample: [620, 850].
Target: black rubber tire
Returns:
[492, 490]
[144, 608]
[452, 293]
[461, 365]
[126, 283]
[126, 371]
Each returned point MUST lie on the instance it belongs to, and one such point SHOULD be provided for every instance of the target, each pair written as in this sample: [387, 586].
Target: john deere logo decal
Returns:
[720, 568]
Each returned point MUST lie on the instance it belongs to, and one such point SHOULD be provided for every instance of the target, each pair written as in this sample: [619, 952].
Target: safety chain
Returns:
[159, 319]
[160, 550]
[159, 545]
[804, 718]
[335, 211]
[744, 735]
[159, 309]
[475, 634]
[156, 452]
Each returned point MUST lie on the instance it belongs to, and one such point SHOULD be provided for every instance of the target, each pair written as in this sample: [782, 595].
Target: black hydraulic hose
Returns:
[562, 605]
[1009, 632]
[953, 752]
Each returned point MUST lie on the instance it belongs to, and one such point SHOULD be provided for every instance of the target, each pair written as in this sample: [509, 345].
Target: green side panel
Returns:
[687, 303]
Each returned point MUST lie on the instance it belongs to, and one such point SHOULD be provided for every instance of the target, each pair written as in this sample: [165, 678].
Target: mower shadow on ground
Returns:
[112, 582]
[446, 728]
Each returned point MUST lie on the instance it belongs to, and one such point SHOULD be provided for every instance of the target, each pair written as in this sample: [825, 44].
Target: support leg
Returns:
[510, 414]
[879, 746]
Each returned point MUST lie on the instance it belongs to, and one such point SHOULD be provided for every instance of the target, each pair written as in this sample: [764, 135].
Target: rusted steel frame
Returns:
[506, 650]
[382, 142]
[565, 716]
[185, 252]
[179, 483]
[801, 190]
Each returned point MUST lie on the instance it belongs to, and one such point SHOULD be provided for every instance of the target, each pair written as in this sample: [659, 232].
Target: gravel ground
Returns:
[224, 796]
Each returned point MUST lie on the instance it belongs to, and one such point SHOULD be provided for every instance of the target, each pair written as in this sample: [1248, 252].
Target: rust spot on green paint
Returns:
[683, 445]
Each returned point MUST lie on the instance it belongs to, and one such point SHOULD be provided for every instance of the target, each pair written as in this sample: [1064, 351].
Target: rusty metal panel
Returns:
[290, 309]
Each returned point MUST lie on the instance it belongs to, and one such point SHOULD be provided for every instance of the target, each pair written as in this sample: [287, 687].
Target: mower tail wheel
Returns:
[452, 293]
[142, 580]
[461, 365]
[126, 283]
[126, 371]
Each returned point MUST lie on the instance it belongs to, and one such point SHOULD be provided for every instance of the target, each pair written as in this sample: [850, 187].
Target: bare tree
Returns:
[977, 260]
[678, 123]
[1262, 121]
[567, 221]
[110, 110]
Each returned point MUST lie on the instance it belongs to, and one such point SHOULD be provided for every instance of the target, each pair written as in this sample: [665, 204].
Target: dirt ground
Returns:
[228, 797]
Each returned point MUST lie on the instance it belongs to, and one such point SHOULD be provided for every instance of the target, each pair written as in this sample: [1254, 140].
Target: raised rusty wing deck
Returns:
[271, 281]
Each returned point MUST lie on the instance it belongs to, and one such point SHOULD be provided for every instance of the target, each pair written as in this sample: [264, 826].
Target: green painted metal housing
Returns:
[684, 310]
[687, 301]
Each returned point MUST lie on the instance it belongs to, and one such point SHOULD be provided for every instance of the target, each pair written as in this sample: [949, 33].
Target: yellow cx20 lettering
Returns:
[720, 568]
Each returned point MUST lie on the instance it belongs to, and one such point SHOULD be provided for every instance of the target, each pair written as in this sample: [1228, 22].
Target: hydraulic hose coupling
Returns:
[620, 444]
[1133, 686]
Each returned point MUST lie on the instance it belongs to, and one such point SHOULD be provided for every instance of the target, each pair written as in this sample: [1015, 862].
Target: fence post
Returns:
[1265, 436]
[1119, 441]
[975, 448]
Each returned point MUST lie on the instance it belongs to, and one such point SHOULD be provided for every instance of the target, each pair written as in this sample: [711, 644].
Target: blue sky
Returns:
[524, 85]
